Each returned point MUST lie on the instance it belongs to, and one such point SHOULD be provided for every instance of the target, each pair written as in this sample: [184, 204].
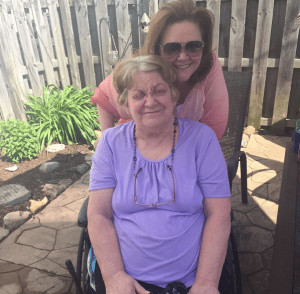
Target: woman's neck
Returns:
[184, 89]
[156, 144]
[147, 134]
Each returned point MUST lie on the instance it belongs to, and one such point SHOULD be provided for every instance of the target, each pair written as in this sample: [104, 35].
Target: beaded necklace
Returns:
[170, 167]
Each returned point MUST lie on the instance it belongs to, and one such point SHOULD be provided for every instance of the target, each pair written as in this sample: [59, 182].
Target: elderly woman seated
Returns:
[159, 209]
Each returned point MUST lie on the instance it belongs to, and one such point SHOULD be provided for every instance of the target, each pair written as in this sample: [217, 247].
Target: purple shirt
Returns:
[160, 244]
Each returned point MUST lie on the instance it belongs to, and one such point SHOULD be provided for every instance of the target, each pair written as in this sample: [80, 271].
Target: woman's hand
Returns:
[120, 282]
[204, 289]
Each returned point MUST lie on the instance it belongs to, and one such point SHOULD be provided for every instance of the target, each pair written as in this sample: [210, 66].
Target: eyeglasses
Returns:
[136, 201]
[172, 50]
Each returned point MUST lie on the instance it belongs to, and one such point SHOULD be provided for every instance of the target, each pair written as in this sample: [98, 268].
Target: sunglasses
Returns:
[173, 49]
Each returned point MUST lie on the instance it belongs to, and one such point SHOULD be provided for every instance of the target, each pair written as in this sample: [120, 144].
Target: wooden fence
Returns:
[65, 42]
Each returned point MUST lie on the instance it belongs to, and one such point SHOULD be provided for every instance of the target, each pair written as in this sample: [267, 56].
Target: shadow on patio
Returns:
[255, 223]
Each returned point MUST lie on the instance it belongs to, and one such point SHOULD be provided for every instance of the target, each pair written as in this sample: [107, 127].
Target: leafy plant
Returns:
[65, 116]
[18, 140]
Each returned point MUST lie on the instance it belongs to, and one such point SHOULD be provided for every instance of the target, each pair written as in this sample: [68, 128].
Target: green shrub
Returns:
[18, 140]
[65, 116]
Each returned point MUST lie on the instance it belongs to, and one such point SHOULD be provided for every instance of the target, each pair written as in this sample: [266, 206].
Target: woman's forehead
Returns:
[182, 31]
[144, 80]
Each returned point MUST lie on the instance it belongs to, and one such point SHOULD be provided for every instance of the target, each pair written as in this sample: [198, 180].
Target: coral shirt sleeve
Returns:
[216, 106]
[105, 96]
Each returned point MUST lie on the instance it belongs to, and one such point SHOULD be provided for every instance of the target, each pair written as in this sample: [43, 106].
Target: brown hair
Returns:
[179, 11]
[125, 70]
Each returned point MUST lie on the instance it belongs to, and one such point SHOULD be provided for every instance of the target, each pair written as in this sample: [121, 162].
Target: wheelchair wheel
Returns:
[82, 256]
[230, 281]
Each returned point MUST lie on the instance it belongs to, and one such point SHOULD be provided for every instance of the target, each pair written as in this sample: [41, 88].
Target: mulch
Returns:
[29, 176]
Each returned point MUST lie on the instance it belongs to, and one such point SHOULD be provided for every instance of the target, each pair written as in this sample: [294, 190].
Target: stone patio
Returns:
[32, 257]
[254, 223]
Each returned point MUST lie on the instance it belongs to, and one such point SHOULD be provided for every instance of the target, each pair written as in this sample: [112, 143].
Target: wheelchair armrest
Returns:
[235, 158]
[82, 216]
[232, 164]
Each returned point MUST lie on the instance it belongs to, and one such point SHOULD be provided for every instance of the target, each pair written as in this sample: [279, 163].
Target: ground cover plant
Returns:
[18, 140]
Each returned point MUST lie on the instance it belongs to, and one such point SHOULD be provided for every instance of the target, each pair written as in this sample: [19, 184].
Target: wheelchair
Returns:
[230, 281]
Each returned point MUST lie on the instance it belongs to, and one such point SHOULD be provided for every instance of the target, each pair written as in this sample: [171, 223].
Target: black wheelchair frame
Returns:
[230, 281]
[238, 86]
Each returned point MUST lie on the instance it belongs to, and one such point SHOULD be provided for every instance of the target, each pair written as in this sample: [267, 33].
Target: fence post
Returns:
[260, 62]
[103, 36]
[59, 44]
[43, 42]
[28, 51]
[148, 7]
[70, 42]
[215, 7]
[286, 65]
[124, 29]
[237, 32]
[86, 53]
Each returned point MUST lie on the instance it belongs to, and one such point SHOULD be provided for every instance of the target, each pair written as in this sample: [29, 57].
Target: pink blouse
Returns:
[206, 102]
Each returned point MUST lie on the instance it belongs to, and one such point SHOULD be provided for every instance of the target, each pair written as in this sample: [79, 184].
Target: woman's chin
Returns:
[152, 121]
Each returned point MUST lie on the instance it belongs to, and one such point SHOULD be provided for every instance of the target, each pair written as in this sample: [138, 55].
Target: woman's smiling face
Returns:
[183, 32]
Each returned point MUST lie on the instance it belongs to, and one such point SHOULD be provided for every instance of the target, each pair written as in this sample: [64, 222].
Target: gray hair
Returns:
[126, 69]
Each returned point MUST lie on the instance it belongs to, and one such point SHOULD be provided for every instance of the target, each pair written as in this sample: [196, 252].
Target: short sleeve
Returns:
[212, 169]
[106, 97]
[102, 175]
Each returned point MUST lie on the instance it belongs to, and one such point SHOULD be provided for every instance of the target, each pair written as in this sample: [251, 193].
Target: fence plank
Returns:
[124, 28]
[143, 7]
[103, 36]
[16, 52]
[85, 42]
[11, 23]
[43, 42]
[10, 77]
[112, 2]
[215, 6]
[50, 42]
[262, 42]
[237, 32]
[37, 59]
[162, 2]
[286, 64]
[58, 40]
[27, 48]
[70, 42]
[153, 7]
[17, 61]
[29, 19]
[135, 26]
[6, 109]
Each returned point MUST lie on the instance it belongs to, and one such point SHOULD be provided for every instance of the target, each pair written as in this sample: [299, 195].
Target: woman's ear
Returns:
[127, 109]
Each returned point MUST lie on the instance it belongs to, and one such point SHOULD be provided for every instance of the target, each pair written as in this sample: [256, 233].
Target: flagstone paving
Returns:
[255, 223]
[32, 257]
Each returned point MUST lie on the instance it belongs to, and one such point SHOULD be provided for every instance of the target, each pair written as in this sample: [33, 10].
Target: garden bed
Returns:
[29, 175]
